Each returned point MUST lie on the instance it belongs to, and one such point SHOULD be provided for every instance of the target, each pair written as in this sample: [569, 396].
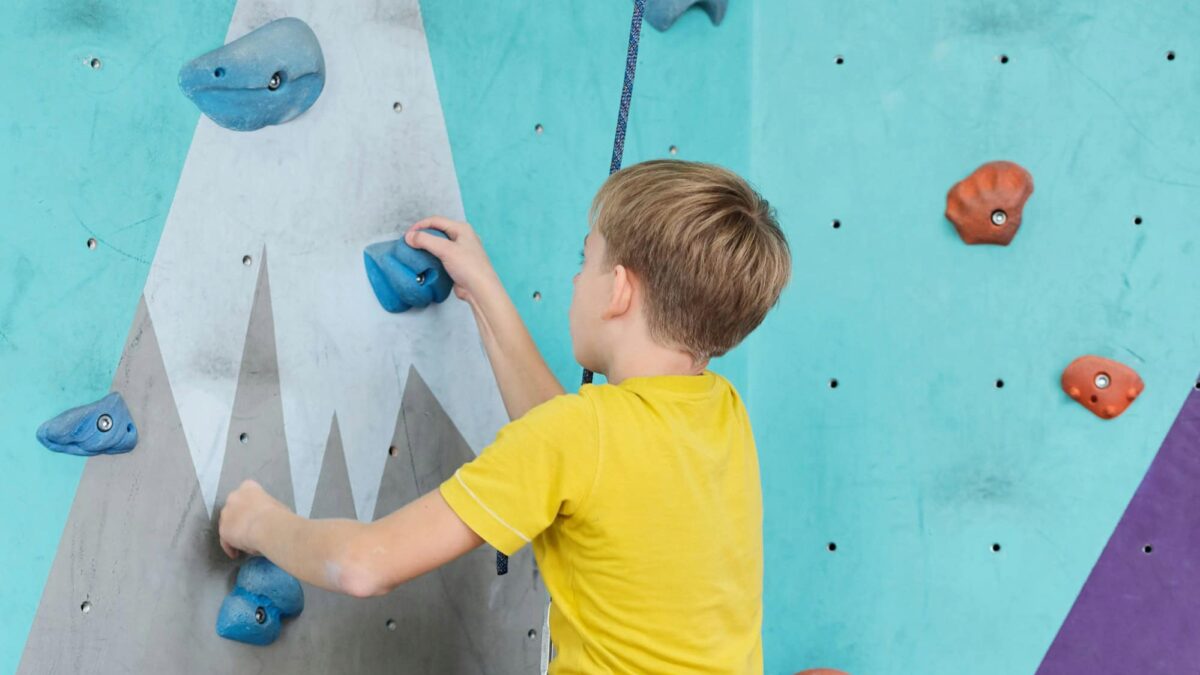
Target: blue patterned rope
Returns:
[635, 37]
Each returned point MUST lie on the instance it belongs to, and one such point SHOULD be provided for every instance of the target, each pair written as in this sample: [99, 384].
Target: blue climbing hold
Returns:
[662, 14]
[101, 428]
[404, 277]
[263, 597]
[267, 76]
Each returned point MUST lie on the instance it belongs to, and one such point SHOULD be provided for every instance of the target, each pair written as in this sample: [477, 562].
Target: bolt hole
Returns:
[999, 217]
[247, 260]
[1147, 549]
[1171, 56]
[1198, 385]
[833, 383]
[392, 451]
[1003, 58]
[532, 634]
[129, 428]
[999, 384]
[260, 615]
[537, 296]
[832, 546]
[674, 150]
[1137, 220]
[839, 59]
[538, 129]
[390, 624]
[91, 244]
[86, 606]
[275, 82]
[995, 548]
[397, 107]
[219, 72]
[244, 438]
[95, 63]
[837, 224]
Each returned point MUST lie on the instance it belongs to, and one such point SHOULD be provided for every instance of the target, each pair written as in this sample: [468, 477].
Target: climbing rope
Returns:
[635, 36]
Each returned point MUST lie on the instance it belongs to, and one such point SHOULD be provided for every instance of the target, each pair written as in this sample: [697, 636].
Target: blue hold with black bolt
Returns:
[268, 76]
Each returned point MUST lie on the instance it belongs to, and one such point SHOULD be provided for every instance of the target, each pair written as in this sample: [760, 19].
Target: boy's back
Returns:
[650, 538]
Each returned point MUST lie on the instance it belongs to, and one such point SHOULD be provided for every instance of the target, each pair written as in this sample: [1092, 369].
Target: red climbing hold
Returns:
[1104, 386]
[986, 206]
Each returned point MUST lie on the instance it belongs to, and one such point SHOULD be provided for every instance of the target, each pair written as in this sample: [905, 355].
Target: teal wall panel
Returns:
[87, 153]
[917, 463]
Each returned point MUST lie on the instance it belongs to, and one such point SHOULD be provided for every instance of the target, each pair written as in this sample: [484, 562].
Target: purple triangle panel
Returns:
[1139, 611]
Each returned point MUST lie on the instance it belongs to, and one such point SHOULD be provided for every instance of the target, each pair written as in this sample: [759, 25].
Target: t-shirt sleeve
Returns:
[540, 467]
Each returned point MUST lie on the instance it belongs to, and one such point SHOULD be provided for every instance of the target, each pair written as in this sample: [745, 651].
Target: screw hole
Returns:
[219, 72]
[91, 244]
[537, 296]
[532, 634]
[837, 224]
[538, 129]
[1147, 549]
[674, 150]
[1003, 58]
[397, 107]
[832, 546]
[1171, 56]
[391, 624]
[1095, 399]
[1137, 220]
[1198, 385]
[95, 63]
[392, 451]
[839, 59]
[833, 383]
[86, 606]
[244, 438]
[247, 260]
[999, 384]
[995, 548]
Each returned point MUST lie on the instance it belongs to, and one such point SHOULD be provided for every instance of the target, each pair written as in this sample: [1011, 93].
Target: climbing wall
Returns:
[945, 508]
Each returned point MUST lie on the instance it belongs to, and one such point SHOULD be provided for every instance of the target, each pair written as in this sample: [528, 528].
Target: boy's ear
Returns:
[620, 301]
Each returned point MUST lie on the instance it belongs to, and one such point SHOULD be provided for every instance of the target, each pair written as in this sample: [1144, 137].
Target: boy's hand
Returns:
[462, 254]
[243, 508]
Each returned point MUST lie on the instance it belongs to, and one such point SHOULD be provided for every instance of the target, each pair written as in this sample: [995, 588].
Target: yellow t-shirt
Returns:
[643, 505]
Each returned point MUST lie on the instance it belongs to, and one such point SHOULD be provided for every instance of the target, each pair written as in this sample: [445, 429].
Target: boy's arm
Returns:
[346, 556]
[524, 379]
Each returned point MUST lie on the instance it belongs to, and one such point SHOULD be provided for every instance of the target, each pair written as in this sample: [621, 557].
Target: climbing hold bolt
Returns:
[263, 596]
[268, 76]
[103, 427]
[986, 206]
[662, 14]
[1101, 385]
[404, 277]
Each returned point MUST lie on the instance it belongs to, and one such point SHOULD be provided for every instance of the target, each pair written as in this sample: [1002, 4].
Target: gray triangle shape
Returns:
[256, 447]
[334, 498]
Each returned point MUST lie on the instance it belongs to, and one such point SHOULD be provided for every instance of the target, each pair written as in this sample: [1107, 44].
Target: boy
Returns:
[641, 497]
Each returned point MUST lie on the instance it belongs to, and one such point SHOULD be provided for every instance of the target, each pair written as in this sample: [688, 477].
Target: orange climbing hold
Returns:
[1104, 386]
[986, 206]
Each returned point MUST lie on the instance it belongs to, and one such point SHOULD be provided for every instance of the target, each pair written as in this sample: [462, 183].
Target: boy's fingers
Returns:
[452, 228]
[229, 551]
[435, 245]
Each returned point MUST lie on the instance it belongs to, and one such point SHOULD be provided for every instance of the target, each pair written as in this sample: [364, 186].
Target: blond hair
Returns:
[706, 246]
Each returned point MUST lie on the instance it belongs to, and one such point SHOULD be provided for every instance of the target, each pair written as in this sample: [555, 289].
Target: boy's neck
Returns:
[650, 360]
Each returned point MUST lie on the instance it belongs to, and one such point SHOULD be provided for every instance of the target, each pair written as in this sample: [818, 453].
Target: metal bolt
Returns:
[1103, 380]
[276, 80]
[260, 615]
[421, 279]
[999, 217]
[104, 423]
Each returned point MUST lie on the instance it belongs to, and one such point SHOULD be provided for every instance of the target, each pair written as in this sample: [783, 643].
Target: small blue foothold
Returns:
[101, 428]
[662, 14]
[404, 277]
[267, 76]
[263, 597]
